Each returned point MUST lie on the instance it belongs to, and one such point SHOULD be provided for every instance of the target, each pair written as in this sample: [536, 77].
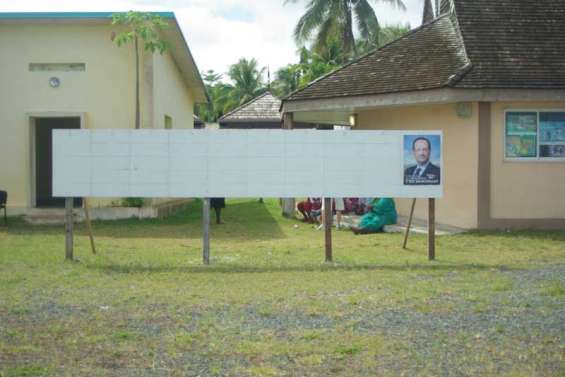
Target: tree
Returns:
[145, 27]
[315, 65]
[219, 93]
[335, 19]
[287, 80]
[387, 34]
[247, 81]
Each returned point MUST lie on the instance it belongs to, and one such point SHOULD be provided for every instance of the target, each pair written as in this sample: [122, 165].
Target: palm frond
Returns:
[367, 22]
[325, 32]
[316, 12]
[395, 3]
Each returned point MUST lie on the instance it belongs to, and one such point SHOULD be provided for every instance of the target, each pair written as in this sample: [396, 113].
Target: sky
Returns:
[220, 32]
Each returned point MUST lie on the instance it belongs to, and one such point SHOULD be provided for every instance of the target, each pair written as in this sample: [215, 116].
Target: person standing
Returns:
[218, 204]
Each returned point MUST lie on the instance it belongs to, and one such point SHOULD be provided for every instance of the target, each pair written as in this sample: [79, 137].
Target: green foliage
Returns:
[248, 81]
[312, 65]
[316, 63]
[141, 25]
[338, 20]
[287, 80]
[387, 34]
[133, 202]
[219, 93]
[144, 26]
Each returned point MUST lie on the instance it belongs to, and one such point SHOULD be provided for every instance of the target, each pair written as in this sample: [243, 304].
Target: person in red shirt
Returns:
[305, 208]
[310, 209]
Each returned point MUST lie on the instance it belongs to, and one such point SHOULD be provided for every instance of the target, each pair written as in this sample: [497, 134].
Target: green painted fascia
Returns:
[68, 15]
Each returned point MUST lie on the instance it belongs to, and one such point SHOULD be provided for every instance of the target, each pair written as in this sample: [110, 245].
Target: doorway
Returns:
[44, 160]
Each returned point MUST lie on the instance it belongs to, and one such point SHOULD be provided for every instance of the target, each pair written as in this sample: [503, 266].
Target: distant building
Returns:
[262, 112]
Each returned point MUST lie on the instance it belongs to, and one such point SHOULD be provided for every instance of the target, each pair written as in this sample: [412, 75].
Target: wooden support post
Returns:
[328, 217]
[409, 223]
[431, 229]
[288, 204]
[69, 228]
[88, 225]
[206, 231]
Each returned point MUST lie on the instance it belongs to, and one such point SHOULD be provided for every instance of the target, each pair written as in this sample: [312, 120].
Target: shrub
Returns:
[132, 202]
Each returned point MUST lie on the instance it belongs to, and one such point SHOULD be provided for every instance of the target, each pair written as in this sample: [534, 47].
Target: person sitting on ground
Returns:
[381, 212]
[316, 211]
[305, 208]
[218, 204]
[363, 207]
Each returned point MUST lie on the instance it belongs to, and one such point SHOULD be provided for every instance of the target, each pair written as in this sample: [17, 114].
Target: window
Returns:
[535, 135]
[168, 122]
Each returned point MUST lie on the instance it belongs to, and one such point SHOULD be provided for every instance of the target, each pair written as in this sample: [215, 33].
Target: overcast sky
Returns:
[219, 32]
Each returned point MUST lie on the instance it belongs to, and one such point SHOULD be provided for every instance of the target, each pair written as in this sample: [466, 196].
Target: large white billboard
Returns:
[247, 163]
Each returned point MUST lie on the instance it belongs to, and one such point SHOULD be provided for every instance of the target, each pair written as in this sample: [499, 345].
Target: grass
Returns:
[491, 304]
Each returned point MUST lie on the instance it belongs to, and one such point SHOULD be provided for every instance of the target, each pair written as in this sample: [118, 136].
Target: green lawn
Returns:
[492, 304]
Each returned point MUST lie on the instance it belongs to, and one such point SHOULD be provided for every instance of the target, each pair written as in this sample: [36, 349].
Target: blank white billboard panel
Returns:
[247, 163]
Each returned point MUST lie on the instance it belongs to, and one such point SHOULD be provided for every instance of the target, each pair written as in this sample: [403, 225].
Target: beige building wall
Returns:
[103, 94]
[524, 189]
[171, 96]
[458, 206]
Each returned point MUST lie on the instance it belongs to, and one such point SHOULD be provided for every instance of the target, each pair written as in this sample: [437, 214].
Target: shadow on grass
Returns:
[244, 220]
[322, 267]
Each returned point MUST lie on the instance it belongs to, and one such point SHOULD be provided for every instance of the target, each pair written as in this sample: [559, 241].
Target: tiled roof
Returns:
[513, 43]
[265, 107]
[424, 58]
[476, 44]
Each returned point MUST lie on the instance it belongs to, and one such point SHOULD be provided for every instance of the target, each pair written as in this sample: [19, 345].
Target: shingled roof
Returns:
[513, 43]
[264, 108]
[474, 44]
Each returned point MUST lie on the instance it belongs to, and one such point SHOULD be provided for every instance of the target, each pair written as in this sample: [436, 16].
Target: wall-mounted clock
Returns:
[54, 82]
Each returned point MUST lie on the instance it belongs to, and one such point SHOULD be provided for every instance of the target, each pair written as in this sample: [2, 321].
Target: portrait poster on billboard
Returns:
[422, 159]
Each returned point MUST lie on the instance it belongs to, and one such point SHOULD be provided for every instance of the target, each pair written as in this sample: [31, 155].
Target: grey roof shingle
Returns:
[513, 43]
[265, 107]
[476, 44]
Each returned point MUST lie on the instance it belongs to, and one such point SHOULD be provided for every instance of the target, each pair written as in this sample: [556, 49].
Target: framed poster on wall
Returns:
[521, 134]
[552, 134]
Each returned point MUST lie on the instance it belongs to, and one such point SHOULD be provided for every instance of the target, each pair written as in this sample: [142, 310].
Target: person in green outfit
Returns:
[381, 212]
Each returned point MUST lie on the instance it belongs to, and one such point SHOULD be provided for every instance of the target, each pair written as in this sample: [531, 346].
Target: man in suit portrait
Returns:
[423, 172]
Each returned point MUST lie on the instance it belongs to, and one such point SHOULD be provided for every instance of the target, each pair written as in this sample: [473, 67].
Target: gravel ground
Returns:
[513, 326]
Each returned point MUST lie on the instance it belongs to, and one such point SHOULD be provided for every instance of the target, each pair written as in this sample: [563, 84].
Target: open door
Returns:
[44, 160]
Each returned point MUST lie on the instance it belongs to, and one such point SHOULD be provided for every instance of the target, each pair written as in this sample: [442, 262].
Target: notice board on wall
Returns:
[247, 163]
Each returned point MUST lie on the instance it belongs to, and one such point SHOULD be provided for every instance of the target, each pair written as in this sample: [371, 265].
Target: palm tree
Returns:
[287, 80]
[247, 81]
[335, 18]
[219, 96]
[387, 34]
